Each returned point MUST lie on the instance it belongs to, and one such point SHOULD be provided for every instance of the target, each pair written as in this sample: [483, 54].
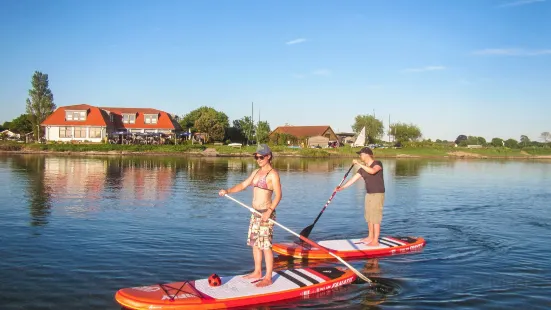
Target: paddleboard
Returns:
[234, 291]
[351, 248]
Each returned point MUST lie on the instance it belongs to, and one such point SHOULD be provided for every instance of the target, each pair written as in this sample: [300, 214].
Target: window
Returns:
[65, 132]
[75, 115]
[151, 118]
[80, 132]
[95, 132]
[129, 118]
[149, 130]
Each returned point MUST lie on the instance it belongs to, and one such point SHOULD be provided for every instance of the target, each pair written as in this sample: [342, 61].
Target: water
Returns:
[73, 230]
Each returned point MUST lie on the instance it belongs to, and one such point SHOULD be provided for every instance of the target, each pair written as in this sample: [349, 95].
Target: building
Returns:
[89, 123]
[9, 134]
[304, 133]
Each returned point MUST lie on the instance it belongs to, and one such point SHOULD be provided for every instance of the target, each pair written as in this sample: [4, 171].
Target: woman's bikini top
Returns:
[261, 182]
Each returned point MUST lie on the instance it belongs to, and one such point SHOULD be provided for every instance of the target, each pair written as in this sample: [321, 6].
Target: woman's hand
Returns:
[266, 215]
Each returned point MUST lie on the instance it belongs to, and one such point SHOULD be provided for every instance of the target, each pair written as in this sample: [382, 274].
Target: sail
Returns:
[360, 140]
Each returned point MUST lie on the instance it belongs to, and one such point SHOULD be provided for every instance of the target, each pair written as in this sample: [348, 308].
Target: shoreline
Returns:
[211, 152]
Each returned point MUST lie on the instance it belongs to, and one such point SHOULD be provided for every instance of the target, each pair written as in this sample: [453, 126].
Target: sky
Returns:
[473, 67]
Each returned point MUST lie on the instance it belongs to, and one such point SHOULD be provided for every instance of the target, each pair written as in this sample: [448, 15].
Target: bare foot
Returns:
[366, 240]
[264, 282]
[253, 276]
[373, 243]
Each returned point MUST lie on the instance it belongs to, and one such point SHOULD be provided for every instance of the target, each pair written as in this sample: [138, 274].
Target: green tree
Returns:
[188, 120]
[497, 142]
[247, 128]
[210, 124]
[511, 143]
[6, 125]
[21, 124]
[545, 136]
[262, 132]
[524, 140]
[481, 141]
[405, 132]
[41, 102]
[374, 128]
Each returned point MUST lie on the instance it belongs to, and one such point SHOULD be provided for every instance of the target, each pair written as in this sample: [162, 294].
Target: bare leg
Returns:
[257, 273]
[269, 257]
[376, 232]
[369, 237]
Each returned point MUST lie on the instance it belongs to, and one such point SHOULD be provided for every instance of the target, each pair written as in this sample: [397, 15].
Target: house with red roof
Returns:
[307, 135]
[84, 122]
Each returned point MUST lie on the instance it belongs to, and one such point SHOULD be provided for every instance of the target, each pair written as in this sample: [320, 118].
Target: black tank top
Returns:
[374, 183]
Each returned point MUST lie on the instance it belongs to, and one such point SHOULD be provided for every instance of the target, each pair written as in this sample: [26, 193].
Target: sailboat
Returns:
[360, 140]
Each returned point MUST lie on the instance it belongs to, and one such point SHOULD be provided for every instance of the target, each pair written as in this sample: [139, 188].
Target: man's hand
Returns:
[222, 192]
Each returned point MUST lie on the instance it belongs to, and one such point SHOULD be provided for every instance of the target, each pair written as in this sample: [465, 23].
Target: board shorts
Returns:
[374, 207]
[261, 233]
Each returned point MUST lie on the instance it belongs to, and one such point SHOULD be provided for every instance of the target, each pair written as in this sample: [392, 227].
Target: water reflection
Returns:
[409, 168]
[39, 193]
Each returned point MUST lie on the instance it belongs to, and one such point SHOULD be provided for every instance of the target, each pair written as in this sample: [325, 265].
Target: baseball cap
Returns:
[365, 150]
[263, 149]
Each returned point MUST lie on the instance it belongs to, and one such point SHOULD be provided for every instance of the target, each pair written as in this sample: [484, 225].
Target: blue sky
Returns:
[474, 67]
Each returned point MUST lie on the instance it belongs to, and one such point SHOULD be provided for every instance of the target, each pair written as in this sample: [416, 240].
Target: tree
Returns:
[262, 132]
[497, 142]
[188, 121]
[405, 132]
[247, 128]
[374, 128]
[511, 143]
[21, 124]
[524, 140]
[460, 138]
[210, 124]
[545, 136]
[41, 102]
[481, 141]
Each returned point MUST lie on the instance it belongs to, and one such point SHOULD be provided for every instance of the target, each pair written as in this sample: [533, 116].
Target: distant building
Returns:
[304, 133]
[89, 123]
[10, 134]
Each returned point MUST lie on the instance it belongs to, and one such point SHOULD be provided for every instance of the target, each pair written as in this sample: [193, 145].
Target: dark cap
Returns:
[263, 149]
[365, 150]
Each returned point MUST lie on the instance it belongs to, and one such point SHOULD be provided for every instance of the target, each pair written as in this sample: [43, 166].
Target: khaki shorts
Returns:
[374, 207]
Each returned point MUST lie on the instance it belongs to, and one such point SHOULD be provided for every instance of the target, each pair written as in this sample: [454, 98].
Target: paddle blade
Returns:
[307, 230]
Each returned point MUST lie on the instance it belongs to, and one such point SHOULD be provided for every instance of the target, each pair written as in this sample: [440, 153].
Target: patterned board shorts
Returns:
[261, 233]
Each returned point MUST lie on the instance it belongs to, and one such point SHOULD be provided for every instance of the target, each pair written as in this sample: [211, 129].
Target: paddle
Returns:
[305, 240]
[308, 229]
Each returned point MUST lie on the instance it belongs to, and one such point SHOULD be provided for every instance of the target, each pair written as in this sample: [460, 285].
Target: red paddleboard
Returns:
[351, 248]
[234, 291]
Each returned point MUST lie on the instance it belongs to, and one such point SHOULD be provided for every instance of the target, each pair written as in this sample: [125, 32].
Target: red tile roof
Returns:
[164, 121]
[94, 117]
[302, 131]
[99, 116]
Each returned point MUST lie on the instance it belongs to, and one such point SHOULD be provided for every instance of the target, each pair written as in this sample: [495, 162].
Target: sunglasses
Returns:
[261, 157]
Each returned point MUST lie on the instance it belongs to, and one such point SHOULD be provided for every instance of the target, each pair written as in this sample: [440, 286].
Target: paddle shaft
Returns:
[304, 239]
[332, 195]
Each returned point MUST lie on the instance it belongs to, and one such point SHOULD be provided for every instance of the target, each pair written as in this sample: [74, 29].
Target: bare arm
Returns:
[369, 170]
[355, 178]
[277, 190]
[239, 187]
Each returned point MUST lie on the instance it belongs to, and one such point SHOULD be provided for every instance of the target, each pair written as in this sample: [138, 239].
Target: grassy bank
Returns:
[223, 150]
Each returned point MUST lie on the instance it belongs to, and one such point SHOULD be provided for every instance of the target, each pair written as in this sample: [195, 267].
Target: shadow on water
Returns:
[39, 193]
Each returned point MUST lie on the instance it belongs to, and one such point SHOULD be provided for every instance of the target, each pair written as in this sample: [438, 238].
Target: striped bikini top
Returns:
[261, 182]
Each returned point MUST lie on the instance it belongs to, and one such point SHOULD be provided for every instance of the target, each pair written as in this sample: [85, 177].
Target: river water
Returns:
[74, 230]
